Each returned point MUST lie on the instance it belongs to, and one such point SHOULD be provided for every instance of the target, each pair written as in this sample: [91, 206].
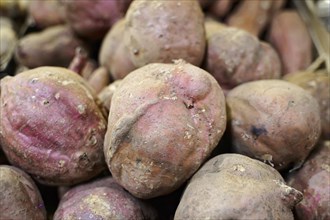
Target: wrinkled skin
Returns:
[114, 54]
[233, 186]
[52, 126]
[164, 121]
[161, 31]
[102, 199]
[93, 18]
[318, 85]
[19, 196]
[46, 13]
[289, 36]
[54, 46]
[274, 121]
[234, 56]
[313, 179]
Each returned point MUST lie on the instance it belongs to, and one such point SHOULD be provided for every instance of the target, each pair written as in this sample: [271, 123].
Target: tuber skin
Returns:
[19, 196]
[106, 94]
[318, 85]
[313, 179]
[289, 36]
[160, 31]
[220, 8]
[234, 56]
[92, 19]
[99, 79]
[45, 13]
[254, 16]
[274, 121]
[164, 121]
[54, 46]
[52, 126]
[233, 186]
[8, 41]
[102, 199]
[114, 54]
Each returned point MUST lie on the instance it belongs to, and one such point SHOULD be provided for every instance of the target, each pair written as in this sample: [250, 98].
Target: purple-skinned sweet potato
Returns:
[93, 18]
[54, 46]
[114, 54]
[318, 85]
[45, 13]
[52, 126]
[313, 179]
[160, 31]
[274, 121]
[102, 199]
[233, 186]
[20, 198]
[164, 121]
[235, 56]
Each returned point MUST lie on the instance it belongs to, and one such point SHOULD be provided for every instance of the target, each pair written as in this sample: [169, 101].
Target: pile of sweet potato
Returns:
[154, 109]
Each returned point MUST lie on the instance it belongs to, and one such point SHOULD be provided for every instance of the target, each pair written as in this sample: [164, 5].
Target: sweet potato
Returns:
[114, 54]
[46, 13]
[8, 41]
[54, 46]
[233, 186]
[14, 8]
[52, 126]
[234, 56]
[161, 31]
[318, 85]
[313, 180]
[106, 94]
[253, 16]
[274, 121]
[93, 18]
[289, 36]
[102, 199]
[220, 8]
[99, 79]
[164, 121]
[19, 196]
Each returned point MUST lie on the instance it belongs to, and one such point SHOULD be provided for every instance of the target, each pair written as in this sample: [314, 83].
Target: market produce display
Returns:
[164, 109]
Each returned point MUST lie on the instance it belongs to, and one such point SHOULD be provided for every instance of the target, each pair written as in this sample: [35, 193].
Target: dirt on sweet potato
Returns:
[52, 126]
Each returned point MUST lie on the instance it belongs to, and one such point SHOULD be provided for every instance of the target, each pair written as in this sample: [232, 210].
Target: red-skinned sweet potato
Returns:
[46, 13]
[164, 121]
[114, 54]
[93, 18]
[235, 56]
[274, 121]
[233, 186]
[313, 179]
[160, 31]
[289, 36]
[102, 199]
[318, 85]
[253, 16]
[52, 126]
[106, 94]
[19, 196]
[99, 79]
[54, 46]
